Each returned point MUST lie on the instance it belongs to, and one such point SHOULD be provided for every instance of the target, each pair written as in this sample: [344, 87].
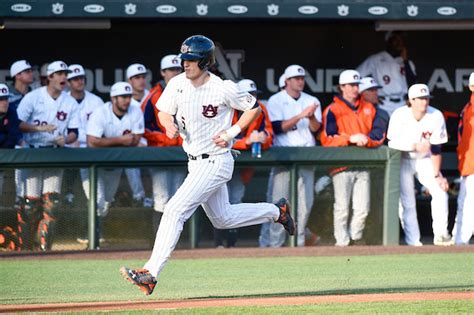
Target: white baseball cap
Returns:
[57, 66]
[76, 71]
[170, 61]
[294, 71]
[419, 91]
[349, 77]
[19, 66]
[281, 81]
[368, 83]
[247, 85]
[135, 69]
[4, 90]
[121, 88]
[471, 79]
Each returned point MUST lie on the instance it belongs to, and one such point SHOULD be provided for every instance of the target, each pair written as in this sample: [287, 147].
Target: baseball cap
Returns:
[471, 79]
[19, 66]
[121, 88]
[57, 66]
[170, 61]
[247, 85]
[4, 91]
[76, 71]
[349, 77]
[419, 91]
[368, 83]
[294, 71]
[281, 81]
[135, 69]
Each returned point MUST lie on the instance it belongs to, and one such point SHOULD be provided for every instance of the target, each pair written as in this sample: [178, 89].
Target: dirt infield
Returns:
[224, 302]
[248, 252]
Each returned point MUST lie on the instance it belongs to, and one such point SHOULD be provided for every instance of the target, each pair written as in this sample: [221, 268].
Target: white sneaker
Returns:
[443, 240]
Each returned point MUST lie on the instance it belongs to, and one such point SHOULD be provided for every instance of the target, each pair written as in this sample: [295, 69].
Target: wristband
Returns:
[230, 133]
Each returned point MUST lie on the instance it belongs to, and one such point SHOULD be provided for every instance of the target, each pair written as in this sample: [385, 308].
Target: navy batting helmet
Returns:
[198, 47]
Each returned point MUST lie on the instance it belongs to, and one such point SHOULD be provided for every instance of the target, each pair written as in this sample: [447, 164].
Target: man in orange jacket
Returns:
[260, 130]
[464, 227]
[165, 182]
[350, 120]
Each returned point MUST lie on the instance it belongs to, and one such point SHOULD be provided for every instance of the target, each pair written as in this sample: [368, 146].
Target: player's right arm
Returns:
[95, 133]
[167, 107]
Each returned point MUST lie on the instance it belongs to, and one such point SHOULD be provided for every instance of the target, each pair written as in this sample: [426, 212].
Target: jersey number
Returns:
[39, 123]
[386, 79]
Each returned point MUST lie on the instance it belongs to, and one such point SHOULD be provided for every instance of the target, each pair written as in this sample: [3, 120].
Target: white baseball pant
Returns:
[464, 226]
[204, 185]
[349, 185]
[108, 180]
[42, 181]
[281, 188]
[423, 169]
[135, 180]
[20, 183]
[1, 182]
[165, 183]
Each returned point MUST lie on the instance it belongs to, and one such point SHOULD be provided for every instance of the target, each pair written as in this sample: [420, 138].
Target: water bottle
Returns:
[256, 150]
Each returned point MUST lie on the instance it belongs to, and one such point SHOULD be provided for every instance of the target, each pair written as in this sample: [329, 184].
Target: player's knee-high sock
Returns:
[47, 225]
[28, 215]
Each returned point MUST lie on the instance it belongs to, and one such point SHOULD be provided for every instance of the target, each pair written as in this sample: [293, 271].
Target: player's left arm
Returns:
[223, 138]
[316, 118]
[438, 137]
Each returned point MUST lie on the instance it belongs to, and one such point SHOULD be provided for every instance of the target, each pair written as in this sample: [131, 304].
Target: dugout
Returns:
[256, 39]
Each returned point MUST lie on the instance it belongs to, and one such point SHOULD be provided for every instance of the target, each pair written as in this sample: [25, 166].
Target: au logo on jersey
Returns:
[209, 111]
[426, 135]
[126, 132]
[61, 116]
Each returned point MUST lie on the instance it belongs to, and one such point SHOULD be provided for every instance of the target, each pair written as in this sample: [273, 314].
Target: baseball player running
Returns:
[393, 70]
[48, 120]
[419, 130]
[204, 106]
[464, 226]
[116, 124]
[165, 181]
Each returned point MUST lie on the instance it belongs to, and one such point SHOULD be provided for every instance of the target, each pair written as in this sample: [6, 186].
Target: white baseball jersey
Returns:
[404, 130]
[388, 71]
[203, 112]
[134, 102]
[85, 108]
[282, 106]
[39, 108]
[104, 123]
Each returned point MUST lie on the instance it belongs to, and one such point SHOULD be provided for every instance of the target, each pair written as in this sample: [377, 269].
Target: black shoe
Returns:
[142, 278]
[285, 216]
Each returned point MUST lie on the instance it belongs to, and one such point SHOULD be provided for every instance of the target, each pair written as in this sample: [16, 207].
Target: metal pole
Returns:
[92, 209]
[193, 229]
[391, 231]
[293, 200]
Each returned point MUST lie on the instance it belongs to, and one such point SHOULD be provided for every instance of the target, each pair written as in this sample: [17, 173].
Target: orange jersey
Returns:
[466, 139]
[261, 123]
[155, 133]
[342, 120]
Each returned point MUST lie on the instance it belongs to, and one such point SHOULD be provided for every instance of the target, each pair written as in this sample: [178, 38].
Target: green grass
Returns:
[49, 281]
[419, 307]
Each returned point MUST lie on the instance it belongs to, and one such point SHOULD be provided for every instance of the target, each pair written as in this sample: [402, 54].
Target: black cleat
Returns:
[285, 216]
[142, 278]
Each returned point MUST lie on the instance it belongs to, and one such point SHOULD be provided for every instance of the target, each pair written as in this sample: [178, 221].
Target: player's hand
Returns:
[262, 137]
[219, 141]
[47, 128]
[443, 183]
[172, 131]
[127, 140]
[423, 147]
[363, 140]
[309, 111]
[60, 141]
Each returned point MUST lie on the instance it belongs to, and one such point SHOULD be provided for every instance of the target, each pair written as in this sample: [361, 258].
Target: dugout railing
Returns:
[292, 158]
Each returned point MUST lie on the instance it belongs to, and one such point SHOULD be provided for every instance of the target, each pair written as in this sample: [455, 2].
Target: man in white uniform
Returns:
[295, 116]
[418, 130]
[49, 120]
[136, 75]
[86, 103]
[204, 105]
[392, 69]
[116, 124]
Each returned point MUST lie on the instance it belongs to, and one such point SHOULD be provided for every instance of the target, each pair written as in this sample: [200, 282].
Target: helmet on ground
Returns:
[199, 47]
